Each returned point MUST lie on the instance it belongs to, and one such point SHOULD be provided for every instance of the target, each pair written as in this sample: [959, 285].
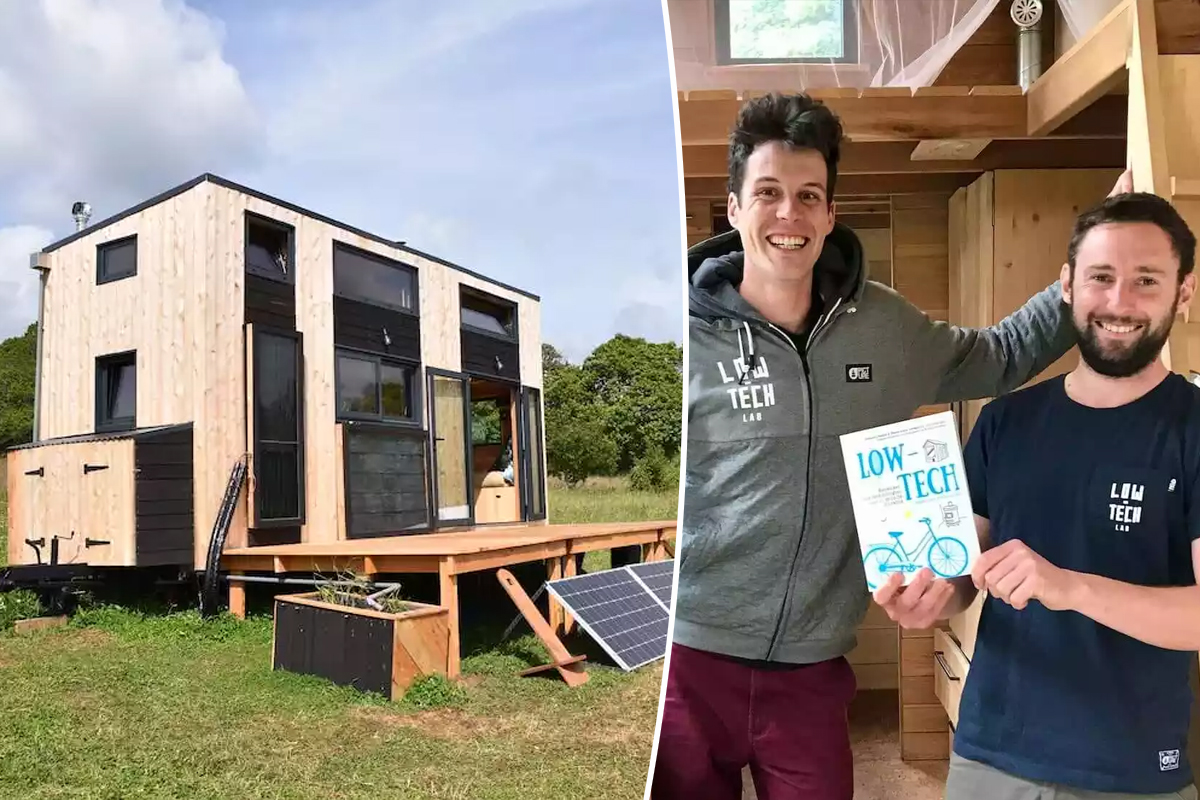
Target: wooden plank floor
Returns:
[453, 543]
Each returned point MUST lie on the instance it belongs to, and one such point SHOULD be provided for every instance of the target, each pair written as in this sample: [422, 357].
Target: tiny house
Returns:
[368, 388]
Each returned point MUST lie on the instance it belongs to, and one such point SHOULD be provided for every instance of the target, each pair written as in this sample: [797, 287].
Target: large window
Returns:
[481, 312]
[370, 278]
[116, 260]
[116, 392]
[278, 428]
[786, 31]
[374, 387]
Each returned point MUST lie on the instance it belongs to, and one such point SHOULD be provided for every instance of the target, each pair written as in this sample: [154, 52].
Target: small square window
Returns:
[116, 260]
[116, 392]
[269, 248]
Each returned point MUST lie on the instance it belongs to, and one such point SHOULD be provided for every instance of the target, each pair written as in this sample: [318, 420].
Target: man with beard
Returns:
[1086, 490]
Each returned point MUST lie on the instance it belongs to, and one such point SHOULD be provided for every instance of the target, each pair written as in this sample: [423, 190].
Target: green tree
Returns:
[18, 357]
[577, 444]
[638, 387]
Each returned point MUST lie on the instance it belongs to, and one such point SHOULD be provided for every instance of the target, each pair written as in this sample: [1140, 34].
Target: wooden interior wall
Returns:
[877, 249]
[989, 57]
[876, 658]
[1009, 231]
[1179, 76]
[921, 271]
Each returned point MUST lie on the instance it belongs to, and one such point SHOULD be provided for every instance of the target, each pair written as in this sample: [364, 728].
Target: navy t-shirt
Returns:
[1052, 695]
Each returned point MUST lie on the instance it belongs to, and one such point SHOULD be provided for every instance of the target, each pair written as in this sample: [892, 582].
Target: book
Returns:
[912, 508]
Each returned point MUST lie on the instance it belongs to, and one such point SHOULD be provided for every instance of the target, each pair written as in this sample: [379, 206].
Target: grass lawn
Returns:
[125, 704]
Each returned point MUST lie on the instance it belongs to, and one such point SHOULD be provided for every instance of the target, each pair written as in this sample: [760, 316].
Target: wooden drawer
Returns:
[950, 672]
[965, 624]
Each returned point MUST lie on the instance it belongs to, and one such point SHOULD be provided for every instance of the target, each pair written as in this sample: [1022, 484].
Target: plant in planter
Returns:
[353, 636]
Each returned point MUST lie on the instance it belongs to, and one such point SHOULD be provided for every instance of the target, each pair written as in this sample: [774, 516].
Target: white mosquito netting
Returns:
[745, 44]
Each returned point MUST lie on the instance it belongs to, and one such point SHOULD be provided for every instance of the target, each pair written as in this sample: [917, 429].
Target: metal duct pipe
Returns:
[1027, 14]
[35, 262]
[292, 581]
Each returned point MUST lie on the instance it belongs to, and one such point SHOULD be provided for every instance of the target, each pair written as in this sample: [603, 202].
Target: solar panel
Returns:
[616, 608]
[657, 576]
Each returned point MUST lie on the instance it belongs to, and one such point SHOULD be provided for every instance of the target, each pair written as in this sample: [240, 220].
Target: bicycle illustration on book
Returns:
[946, 556]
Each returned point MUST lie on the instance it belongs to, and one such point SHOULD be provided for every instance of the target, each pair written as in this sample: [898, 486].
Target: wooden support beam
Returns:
[850, 185]
[711, 161]
[1093, 66]
[568, 666]
[1147, 126]
[875, 114]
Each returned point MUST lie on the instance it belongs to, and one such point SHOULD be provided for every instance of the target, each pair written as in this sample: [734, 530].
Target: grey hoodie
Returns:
[769, 561]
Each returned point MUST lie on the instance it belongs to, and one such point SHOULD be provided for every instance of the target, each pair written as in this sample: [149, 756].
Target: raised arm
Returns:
[967, 363]
[957, 363]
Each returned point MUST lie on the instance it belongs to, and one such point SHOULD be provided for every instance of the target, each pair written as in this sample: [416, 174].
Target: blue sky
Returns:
[530, 140]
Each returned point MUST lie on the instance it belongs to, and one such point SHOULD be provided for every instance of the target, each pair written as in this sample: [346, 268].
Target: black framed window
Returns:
[377, 388]
[116, 392]
[786, 32]
[488, 314]
[270, 248]
[116, 259]
[278, 427]
[371, 278]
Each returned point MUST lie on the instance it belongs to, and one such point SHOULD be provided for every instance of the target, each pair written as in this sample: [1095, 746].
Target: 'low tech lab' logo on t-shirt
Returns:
[1168, 760]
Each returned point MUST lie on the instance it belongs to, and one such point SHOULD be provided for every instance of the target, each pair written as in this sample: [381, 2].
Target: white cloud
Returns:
[19, 283]
[111, 101]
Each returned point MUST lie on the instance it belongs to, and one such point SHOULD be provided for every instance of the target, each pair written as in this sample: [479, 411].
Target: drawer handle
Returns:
[941, 659]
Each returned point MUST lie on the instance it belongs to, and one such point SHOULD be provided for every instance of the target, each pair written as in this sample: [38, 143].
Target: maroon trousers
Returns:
[788, 725]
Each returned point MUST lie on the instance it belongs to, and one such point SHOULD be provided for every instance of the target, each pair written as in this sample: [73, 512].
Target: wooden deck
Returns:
[449, 555]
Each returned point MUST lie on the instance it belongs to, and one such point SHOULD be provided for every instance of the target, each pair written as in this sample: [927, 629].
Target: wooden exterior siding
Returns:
[183, 312]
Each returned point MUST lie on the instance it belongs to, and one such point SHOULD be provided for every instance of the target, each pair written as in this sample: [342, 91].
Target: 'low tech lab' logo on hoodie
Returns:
[745, 395]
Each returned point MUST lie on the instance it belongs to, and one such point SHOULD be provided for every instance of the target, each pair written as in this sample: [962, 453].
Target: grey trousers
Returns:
[970, 780]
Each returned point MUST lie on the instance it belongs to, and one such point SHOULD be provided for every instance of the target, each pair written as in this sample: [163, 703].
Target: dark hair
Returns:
[796, 119]
[1138, 207]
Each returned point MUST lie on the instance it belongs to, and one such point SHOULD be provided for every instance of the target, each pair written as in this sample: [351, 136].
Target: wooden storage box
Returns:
[119, 499]
[370, 650]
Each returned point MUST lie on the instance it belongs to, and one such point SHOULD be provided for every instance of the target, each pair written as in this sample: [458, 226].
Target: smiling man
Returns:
[790, 346]
[1086, 490]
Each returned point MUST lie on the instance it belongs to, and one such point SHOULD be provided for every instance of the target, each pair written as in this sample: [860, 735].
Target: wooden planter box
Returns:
[360, 647]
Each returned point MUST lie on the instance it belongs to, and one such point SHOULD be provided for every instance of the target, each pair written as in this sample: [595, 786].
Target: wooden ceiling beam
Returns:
[940, 112]
[711, 161]
[937, 112]
[1083, 74]
[852, 185]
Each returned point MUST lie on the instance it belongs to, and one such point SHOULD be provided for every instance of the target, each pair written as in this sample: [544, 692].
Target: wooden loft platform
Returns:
[449, 555]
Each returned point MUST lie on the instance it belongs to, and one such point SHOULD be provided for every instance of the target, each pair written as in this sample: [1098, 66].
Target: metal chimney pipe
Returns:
[1027, 14]
[82, 212]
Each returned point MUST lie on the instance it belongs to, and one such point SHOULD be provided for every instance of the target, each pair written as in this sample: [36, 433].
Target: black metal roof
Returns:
[208, 177]
[136, 433]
